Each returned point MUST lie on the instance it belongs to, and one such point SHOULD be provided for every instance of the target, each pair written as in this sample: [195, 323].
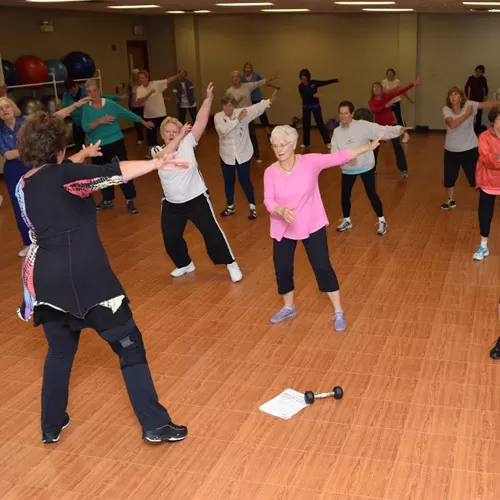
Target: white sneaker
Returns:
[328, 146]
[23, 252]
[235, 272]
[344, 225]
[481, 253]
[382, 227]
[405, 138]
[181, 271]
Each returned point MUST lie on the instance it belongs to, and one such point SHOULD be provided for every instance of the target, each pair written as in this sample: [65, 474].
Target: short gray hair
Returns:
[286, 133]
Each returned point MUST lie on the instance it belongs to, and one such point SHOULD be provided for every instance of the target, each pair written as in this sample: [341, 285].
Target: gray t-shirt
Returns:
[463, 137]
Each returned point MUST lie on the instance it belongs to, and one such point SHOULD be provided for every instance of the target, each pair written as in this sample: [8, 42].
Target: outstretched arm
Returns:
[323, 83]
[488, 104]
[65, 112]
[203, 114]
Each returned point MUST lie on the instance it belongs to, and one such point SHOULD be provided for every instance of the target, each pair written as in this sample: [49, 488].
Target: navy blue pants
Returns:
[229, 172]
[63, 344]
[13, 170]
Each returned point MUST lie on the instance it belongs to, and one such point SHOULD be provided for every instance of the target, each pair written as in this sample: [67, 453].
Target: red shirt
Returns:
[384, 115]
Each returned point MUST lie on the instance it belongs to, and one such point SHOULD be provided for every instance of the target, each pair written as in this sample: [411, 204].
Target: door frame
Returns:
[143, 45]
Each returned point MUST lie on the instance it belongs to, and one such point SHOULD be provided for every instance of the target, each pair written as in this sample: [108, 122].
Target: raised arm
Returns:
[397, 92]
[489, 157]
[259, 108]
[203, 115]
[488, 104]
[171, 79]
[324, 83]
[320, 162]
[65, 112]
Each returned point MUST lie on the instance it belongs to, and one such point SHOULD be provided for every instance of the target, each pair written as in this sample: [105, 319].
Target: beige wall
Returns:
[449, 48]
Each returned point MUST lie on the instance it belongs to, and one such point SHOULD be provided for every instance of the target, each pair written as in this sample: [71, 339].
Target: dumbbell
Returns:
[337, 393]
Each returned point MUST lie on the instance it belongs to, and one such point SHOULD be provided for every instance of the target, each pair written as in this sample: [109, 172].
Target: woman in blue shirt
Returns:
[100, 121]
[10, 123]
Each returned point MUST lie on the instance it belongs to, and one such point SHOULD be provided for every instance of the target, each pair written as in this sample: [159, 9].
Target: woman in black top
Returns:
[68, 282]
[308, 90]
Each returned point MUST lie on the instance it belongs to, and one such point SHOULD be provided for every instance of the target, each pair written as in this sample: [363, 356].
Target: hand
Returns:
[286, 213]
[210, 91]
[376, 143]
[243, 113]
[148, 124]
[274, 95]
[418, 82]
[316, 95]
[3, 90]
[92, 150]
[81, 102]
[170, 162]
[186, 128]
[108, 119]
[404, 130]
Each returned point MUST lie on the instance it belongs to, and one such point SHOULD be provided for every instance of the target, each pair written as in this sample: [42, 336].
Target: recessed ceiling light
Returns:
[245, 4]
[481, 3]
[176, 11]
[202, 11]
[56, 1]
[388, 10]
[284, 10]
[365, 3]
[133, 6]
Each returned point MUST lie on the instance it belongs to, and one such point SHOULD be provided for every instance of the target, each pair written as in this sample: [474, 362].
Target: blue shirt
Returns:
[256, 95]
[8, 137]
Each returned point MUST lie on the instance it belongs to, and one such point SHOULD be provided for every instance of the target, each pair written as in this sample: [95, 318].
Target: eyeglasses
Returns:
[280, 146]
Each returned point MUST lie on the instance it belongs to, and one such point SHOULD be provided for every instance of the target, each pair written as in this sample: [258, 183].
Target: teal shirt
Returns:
[69, 100]
[107, 133]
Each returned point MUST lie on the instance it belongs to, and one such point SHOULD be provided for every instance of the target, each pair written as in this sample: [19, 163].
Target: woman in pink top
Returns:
[292, 196]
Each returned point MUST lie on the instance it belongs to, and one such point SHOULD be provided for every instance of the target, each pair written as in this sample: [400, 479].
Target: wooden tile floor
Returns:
[421, 414]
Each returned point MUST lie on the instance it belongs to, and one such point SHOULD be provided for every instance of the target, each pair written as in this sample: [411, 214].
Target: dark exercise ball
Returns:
[9, 73]
[79, 65]
[29, 105]
[49, 103]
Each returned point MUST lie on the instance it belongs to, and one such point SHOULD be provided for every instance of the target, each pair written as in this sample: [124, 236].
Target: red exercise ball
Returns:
[31, 69]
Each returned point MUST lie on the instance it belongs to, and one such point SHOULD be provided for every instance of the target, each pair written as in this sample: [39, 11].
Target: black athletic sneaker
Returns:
[449, 204]
[169, 432]
[495, 352]
[53, 437]
[131, 207]
[104, 205]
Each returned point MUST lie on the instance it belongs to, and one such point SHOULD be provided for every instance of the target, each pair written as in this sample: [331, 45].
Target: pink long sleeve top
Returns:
[299, 190]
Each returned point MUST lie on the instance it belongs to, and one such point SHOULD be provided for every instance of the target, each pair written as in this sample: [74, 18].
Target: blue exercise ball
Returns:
[79, 65]
[9, 73]
[58, 68]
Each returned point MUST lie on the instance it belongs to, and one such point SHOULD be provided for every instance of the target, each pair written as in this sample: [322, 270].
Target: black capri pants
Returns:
[485, 212]
[317, 252]
[454, 160]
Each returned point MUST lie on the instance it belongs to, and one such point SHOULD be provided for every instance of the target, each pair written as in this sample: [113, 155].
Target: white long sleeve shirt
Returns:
[235, 145]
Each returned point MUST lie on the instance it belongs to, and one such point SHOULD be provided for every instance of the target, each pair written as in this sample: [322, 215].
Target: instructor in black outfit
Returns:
[308, 90]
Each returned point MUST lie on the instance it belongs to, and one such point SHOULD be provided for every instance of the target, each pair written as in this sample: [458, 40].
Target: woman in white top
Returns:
[186, 197]
[150, 95]
[390, 82]
[461, 145]
[235, 148]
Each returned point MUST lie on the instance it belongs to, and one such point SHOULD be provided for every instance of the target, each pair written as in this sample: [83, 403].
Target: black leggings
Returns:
[317, 252]
[115, 149]
[396, 109]
[306, 125]
[399, 152]
[478, 121]
[152, 134]
[126, 342]
[368, 179]
[454, 160]
[183, 111]
[485, 212]
[174, 218]
[254, 140]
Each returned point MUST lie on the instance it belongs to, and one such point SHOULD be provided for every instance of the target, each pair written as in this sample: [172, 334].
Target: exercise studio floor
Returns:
[420, 418]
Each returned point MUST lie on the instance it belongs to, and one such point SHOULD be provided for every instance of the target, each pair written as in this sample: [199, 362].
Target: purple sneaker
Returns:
[339, 322]
[285, 313]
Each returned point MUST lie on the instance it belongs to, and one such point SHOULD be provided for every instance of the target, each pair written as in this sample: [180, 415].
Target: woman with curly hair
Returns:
[68, 282]
[460, 146]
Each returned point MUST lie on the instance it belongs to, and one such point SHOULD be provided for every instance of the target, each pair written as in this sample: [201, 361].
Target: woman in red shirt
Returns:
[380, 104]
[488, 180]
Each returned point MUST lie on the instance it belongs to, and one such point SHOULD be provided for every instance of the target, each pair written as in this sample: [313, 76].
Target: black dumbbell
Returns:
[337, 393]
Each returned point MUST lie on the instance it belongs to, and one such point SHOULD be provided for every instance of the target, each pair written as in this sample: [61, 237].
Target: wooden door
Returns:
[137, 54]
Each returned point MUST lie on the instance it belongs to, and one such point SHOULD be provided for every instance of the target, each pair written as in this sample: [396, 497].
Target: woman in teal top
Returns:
[100, 121]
